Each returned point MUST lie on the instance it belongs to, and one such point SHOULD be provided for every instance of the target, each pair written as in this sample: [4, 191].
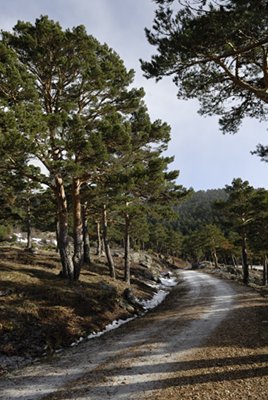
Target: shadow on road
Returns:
[155, 352]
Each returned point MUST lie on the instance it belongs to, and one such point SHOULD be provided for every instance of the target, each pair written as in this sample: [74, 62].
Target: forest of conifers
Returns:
[77, 142]
[81, 157]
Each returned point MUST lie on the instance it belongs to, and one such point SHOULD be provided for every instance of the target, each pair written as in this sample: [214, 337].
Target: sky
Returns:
[205, 157]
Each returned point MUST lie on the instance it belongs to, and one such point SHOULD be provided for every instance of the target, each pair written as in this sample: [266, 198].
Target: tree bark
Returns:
[99, 240]
[63, 245]
[57, 234]
[86, 242]
[215, 258]
[106, 243]
[234, 261]
[127, 248]
[265, 272]
[245, 260]
[29, 226]
[77, 229]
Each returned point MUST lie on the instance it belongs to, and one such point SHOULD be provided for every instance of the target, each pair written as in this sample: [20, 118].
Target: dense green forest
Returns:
[225, 226]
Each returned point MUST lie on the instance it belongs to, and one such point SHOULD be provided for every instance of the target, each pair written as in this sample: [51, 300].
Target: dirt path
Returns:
[178, 350]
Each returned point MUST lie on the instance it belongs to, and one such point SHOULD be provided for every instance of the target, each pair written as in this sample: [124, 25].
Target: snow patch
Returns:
[163, 289]
[20, 238]
[37, 240]
[169, 282]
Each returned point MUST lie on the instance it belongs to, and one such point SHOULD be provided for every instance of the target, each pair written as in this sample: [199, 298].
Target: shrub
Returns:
[4, 233]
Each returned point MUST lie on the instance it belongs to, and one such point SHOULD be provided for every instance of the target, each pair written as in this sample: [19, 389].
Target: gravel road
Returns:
[181, 350]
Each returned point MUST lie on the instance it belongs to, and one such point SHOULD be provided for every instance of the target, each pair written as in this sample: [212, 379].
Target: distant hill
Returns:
[198, 210]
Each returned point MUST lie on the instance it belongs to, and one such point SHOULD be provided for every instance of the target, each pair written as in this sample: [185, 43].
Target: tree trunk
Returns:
[86, 243]
[245, 260]
[234, 261]
[127, 248]
[57, 234]
[99, 240]
[29, 226]
[63, 245]
[265, 272]
[77, 229]
[215, 258]
[106, 243]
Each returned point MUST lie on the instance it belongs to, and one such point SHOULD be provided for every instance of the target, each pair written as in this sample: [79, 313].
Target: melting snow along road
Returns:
[131, 361]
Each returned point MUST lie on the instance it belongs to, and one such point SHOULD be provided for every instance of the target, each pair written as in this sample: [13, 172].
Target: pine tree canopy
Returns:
[217, 52]
[77, 83]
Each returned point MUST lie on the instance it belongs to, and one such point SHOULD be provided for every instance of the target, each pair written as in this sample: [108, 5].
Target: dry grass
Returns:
[41, 312]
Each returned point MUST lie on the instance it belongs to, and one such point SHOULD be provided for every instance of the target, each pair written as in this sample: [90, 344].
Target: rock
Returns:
[141, 258]
[132, 299]
[6, 292]
[167, 274]
[130, 308]
[146, 262]
[231, 269]
[117, 254]
[149, 275]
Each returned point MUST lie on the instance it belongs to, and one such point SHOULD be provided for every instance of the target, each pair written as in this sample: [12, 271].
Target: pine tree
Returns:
[216, 51]
[78, 82]
[240, 212]
[141, 180]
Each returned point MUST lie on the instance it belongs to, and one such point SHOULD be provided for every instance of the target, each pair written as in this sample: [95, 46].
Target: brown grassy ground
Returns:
[40, 312]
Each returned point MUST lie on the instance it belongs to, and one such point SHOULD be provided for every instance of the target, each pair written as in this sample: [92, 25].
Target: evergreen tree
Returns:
[212, 239]
[257, 232]
[138, 176]
[240, 213]
[216, 52]
[27, 206]
[198, 210]
[78, 82]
